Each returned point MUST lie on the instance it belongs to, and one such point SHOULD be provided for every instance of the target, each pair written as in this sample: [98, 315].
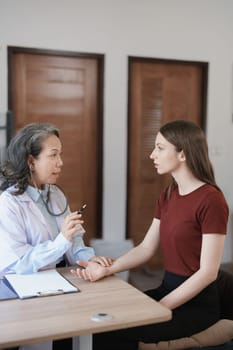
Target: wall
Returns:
[196, 30]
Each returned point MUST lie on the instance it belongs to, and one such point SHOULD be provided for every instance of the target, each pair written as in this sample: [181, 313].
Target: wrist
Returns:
[68, 237]
[108, 271]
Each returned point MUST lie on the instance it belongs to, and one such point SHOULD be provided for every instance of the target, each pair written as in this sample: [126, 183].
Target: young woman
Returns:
[37, 229]
[190, 224]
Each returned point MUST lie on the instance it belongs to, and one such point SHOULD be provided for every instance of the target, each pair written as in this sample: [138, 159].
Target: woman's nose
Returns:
[152, 154]
[60, 162]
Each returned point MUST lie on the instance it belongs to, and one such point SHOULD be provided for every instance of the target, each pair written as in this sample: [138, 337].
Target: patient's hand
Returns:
[91, 271]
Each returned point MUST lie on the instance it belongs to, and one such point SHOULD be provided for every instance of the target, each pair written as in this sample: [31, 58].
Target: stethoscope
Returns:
[46, 202]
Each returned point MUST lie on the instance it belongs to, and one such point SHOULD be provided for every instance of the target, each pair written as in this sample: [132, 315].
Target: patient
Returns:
[190, 224]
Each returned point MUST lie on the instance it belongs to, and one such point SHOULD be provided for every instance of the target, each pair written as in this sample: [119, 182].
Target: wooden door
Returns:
[159, 91]
[65, 90]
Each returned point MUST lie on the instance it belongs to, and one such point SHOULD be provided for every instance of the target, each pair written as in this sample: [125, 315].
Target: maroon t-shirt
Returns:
[183, 220]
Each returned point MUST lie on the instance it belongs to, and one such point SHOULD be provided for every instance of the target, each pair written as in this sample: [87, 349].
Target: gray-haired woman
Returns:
[37, 228]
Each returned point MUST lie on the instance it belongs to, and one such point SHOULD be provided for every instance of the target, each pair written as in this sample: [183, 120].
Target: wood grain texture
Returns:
[63, 316]
[65, 91]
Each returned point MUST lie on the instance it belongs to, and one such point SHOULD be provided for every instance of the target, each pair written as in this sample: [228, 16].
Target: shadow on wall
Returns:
[113, 249]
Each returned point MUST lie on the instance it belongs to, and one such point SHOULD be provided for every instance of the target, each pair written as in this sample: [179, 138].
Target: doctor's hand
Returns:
[69, 225]
[102, 260]
[91, 271]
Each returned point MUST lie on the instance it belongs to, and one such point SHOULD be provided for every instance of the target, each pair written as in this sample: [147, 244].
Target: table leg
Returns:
[83, 342]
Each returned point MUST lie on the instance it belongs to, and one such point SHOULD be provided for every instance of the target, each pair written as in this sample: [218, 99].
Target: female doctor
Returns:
[37, 229]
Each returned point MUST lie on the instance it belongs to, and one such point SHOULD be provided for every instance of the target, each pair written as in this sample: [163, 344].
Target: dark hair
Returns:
[188, 137]
[28, 141]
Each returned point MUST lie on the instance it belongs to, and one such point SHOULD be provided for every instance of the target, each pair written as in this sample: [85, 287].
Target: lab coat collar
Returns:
[26, 197]
[35, 194]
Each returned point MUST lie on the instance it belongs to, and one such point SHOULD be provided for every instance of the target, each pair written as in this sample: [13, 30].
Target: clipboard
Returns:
[6, 291]
[40, 284]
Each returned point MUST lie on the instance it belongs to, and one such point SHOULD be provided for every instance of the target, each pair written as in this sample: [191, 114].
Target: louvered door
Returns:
[65, 89]
[159, 91]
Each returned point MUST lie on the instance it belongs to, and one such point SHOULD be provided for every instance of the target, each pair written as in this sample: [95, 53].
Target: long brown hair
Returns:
[190, 138]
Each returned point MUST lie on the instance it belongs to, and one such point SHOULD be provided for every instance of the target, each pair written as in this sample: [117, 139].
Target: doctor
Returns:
[37, 229]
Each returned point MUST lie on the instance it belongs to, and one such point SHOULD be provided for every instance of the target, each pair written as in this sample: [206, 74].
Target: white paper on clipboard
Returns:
[38, 284]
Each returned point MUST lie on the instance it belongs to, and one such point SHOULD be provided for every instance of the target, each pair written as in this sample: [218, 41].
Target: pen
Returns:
[81, 209]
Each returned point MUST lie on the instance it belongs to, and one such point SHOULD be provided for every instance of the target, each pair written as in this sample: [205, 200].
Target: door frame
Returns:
[133, 59]
[11, 50]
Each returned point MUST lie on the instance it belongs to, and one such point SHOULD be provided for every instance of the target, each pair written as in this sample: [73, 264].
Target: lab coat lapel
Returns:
[34, 209]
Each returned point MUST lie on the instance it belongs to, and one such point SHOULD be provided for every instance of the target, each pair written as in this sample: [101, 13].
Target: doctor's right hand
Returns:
[69, 225]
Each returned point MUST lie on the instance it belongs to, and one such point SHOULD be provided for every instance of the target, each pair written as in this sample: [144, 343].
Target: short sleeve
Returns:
[214, 213]
[160, 203]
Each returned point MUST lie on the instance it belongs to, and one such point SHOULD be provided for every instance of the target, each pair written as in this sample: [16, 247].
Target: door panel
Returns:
[159, 91]
[64, 90]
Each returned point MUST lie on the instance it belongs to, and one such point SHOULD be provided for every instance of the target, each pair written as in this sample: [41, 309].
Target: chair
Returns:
[114, 249]
[218, 336]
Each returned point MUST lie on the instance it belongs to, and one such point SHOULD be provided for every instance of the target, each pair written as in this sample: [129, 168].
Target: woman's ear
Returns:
[31, 162]
[182, 156]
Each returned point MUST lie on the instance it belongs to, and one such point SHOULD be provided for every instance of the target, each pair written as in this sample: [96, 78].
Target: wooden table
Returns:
[69, 315]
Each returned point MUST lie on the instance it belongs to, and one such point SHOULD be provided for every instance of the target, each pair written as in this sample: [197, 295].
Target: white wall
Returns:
[196, 30]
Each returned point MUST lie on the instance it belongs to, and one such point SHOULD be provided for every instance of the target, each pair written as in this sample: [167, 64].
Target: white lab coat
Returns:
[26, 238]
[27, 243]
